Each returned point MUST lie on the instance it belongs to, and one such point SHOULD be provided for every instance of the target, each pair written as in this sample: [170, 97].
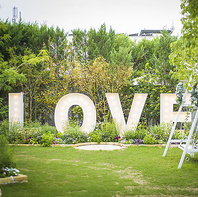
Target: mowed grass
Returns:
[134, 171]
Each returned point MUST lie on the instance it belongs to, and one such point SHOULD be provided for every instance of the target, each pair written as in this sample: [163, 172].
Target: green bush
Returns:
[161, 131]
[76, 115]
[138, 134]
[6, 155]
[14, 134]
[129, 134]
[49, 129]
[148, 139]
[59, 135]
[104, 132]
[47, 139]
[28, 134]
[96, 136]
[73, 135]
[109, 131]
[4, 128]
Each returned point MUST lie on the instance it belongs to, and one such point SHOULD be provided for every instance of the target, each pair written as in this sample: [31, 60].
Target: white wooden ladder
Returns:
[187, 148]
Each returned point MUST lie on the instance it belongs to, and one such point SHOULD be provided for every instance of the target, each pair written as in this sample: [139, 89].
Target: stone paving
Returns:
[100, 147]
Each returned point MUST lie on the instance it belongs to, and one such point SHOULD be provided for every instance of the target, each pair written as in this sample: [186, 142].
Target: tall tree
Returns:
[9, 75]
[185, 50]
[31, 35]
[34, 67]
[162, 62]
[80, 44]
[98, 78]
[100, 43]
[122, 50]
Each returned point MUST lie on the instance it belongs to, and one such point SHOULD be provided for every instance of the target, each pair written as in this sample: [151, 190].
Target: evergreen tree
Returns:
[100, 43]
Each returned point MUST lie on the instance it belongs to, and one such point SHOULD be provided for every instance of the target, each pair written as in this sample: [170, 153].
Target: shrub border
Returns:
[95, 143]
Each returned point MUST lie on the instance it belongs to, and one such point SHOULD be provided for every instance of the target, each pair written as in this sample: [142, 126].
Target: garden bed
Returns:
[95, 143]
[20, 178]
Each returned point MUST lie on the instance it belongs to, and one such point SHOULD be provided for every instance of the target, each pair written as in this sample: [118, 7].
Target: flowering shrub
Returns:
[137, 141]
[6, 172]
[34, 133]
[29, 133]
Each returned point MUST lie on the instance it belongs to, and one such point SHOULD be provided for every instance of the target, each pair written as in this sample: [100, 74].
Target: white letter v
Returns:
[134, 114]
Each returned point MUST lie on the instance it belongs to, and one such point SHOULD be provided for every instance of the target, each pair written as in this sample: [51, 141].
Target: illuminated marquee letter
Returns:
[166, 108]
[16, 107]
[134, 114]
[62, 109]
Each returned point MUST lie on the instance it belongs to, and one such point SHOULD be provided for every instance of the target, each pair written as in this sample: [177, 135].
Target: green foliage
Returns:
[109, 131]
[14, 136]
[28, 133]
[185, 50]
[96, 136]
[31, 35]
[148, 139]
[77, 115]
[59, 135]
[80, 45]
[148, 82]
[104, 132]
[158, 132]
[47, 139]
[130, 141]
[140, 133]
[4, 128]
[100, 43]
[38, 61]
[180, 134]
[3, 110]
[161, 131]
[50, 129]
[6, 155]
[162, 62]
[73, 135]
[9, 77]
[99, 78]
[34, 67]
[122, 49]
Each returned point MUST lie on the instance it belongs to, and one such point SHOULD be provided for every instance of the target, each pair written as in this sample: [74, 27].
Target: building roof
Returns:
[149, 32]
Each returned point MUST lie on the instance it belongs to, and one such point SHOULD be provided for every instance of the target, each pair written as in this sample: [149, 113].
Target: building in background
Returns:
[148, 34]
[144, 34]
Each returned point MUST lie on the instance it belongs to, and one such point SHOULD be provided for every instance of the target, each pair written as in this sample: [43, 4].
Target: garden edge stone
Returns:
[95, 143]
[20, 178]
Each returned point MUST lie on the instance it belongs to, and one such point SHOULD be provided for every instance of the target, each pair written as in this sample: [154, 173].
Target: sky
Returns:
[124, 16]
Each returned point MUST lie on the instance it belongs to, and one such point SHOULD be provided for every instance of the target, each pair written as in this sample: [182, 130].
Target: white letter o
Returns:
[62, 109]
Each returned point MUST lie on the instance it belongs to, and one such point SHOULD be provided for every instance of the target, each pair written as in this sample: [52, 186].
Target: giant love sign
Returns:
[89, 112]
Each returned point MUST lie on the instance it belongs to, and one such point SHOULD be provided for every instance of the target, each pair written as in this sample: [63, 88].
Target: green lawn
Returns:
[65, 171]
